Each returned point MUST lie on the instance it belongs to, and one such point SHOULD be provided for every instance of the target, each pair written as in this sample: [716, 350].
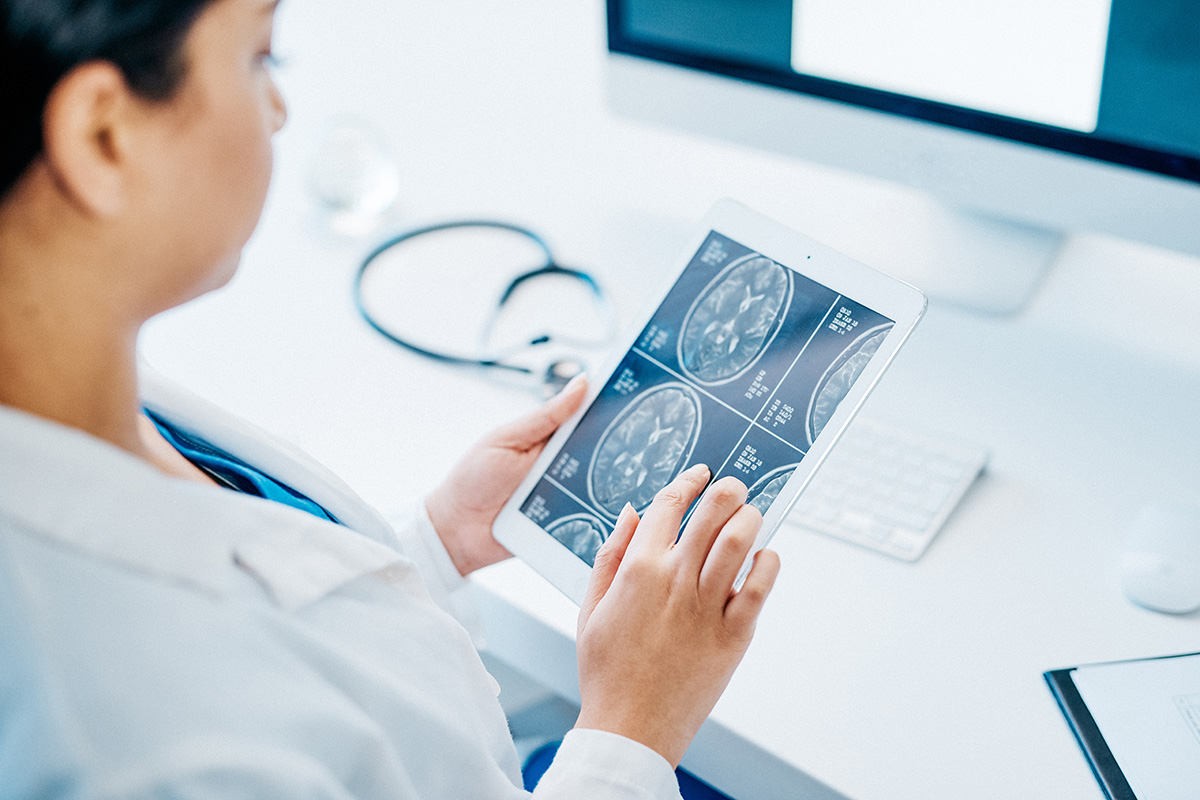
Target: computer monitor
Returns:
[1021, 120]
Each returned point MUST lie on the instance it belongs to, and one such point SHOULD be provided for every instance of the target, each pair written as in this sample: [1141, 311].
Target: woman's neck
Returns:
[68, 350]
[85, 379]
[62, 366]
[70, 313]
[68, 344]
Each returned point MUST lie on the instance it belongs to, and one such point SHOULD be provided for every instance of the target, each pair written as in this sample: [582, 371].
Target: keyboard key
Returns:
[889, 488]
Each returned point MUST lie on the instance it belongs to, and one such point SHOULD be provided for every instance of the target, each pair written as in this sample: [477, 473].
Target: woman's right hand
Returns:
[661, 630]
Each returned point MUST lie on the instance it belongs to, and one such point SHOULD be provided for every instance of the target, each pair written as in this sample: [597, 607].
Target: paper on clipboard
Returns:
[1149, 714]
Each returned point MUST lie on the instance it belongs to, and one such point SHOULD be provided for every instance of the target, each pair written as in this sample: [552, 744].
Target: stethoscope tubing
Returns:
[548, 267]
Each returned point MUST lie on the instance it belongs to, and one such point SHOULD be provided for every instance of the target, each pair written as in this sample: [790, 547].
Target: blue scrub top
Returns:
[232, 472]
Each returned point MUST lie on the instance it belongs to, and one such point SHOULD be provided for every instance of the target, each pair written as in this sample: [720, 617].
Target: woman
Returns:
[175, 617]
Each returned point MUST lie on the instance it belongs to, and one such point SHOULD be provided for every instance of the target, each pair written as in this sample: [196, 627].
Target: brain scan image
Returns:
[841, 375]
[734, 319]
[581, 533]
[767, 488]
[644, 447]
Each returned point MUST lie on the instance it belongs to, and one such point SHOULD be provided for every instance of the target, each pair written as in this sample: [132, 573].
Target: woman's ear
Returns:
[86, 132]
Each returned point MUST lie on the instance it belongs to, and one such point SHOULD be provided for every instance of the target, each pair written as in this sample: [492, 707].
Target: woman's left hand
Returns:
[464, 507]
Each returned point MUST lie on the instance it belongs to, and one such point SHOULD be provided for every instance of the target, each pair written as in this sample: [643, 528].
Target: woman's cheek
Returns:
[250, 170]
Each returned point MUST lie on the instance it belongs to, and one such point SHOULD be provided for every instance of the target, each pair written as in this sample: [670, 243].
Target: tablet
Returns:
[753, 360]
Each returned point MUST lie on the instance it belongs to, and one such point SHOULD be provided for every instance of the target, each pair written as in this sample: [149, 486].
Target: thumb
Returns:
[535, 428]
[608, 560]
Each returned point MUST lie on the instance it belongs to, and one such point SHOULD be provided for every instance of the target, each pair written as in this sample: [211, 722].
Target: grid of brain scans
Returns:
[740, 368]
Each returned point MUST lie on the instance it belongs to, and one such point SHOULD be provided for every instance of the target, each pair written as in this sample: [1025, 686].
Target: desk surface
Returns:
[868, 677]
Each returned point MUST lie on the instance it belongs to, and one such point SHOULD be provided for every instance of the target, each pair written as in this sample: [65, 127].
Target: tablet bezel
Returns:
[885, 295]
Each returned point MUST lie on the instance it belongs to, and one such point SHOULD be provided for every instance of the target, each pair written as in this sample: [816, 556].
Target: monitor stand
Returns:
[969, 259]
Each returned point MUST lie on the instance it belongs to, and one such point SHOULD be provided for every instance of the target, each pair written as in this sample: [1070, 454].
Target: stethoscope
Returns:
[557, 372]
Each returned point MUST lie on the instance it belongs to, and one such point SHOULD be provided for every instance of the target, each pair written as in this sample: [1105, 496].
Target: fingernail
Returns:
[572, 384]
[696, 470]
[625, 514]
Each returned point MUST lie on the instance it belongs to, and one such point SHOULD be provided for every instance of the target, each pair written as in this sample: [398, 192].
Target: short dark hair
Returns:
[43, 40]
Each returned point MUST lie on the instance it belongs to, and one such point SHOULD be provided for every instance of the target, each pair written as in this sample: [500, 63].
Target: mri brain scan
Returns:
[644, 447]
[581, 533]
[767, 488]
[841, 375]
[734, 319]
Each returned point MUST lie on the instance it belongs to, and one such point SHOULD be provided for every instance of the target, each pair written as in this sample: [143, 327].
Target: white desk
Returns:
[868, 677]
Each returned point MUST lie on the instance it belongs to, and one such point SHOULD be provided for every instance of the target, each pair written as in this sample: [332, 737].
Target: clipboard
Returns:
[1104, 764]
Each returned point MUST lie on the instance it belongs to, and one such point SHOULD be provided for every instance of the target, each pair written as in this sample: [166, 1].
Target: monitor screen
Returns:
[1113, 80]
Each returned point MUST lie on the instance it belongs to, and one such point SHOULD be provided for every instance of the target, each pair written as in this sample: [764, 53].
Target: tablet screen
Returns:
[739, 368]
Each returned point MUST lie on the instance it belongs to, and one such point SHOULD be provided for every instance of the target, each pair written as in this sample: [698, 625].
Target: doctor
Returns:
[189, 609]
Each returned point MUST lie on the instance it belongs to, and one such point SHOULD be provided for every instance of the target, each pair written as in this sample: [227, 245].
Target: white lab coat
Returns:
[162, 638]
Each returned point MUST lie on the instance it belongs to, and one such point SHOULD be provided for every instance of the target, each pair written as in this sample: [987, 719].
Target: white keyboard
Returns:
[889, 488]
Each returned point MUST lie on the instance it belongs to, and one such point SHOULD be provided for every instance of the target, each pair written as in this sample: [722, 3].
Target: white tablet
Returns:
[759, 354]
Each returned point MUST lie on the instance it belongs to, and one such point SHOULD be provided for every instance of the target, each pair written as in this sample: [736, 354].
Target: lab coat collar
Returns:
[80, 491]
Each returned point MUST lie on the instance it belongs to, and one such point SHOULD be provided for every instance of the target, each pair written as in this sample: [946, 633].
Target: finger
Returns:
[742, 610]
[728, 553]
[608, 560]
[534, 429]
[660, 522]
[719, 503]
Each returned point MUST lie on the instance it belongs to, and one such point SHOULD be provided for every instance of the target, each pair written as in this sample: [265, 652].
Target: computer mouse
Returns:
[1160, 567]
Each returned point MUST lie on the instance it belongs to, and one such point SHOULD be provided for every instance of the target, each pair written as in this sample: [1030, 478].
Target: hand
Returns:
[661, 630]
[467, 503]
